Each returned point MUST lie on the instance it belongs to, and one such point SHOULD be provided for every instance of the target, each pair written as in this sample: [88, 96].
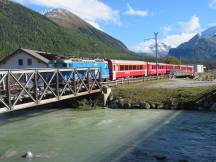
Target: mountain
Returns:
[70, 21]
[22, 27]
[202, 47]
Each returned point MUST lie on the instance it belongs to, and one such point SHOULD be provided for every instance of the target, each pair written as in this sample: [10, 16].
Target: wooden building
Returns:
[26, 58]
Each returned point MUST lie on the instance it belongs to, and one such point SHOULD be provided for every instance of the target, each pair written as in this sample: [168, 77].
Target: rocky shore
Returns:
[115, 102]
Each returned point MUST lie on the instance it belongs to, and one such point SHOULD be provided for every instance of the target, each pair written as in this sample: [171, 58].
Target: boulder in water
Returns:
[183, 160]
[28, 155]
[160, 157]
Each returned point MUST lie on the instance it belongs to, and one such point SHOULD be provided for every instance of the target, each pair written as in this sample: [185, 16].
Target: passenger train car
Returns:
[124, 69]
[121, 69]
[128, 69]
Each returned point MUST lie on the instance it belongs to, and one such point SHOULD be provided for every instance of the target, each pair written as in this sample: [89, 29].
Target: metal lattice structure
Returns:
[21, 89]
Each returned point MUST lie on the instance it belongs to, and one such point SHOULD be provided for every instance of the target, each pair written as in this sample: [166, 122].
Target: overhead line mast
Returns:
[156, 51]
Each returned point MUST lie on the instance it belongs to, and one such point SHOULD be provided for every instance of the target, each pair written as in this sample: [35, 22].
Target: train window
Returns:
[126, 67]
[141, 67]
[114, 67]
[121, 67]
[130, 67]
[134, 67]
[65, 65]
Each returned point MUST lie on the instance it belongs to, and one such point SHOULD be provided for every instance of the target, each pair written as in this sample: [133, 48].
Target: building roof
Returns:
[40, 55]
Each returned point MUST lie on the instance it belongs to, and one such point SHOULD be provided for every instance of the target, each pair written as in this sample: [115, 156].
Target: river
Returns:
[67, 135]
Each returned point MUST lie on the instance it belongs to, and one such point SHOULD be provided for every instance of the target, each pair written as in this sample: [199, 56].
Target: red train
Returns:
[128, 69]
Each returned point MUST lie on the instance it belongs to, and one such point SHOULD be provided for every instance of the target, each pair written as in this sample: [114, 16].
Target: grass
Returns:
[135, 93]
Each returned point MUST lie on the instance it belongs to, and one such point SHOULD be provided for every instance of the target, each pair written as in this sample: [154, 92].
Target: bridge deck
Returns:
[21, 89]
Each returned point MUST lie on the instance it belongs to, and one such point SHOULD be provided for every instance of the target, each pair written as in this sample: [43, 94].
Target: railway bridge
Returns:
[21, 89]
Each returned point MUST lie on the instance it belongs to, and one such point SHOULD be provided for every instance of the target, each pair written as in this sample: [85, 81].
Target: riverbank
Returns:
[163, 94]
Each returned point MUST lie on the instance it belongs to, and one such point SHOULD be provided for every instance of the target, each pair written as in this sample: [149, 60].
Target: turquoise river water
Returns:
[67, 135]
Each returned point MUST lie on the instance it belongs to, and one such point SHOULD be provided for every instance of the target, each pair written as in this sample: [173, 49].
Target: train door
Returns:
[114, 71]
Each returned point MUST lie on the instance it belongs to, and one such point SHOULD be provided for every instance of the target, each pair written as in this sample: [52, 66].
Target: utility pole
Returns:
[156, 51]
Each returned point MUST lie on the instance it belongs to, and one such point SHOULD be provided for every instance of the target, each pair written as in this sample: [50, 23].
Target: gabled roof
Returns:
[40, 55]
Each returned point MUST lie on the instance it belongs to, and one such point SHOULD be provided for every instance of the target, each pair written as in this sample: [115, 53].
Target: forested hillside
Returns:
[22, 27]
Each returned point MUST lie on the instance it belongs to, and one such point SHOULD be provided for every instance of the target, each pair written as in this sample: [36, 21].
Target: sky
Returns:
[135, 21]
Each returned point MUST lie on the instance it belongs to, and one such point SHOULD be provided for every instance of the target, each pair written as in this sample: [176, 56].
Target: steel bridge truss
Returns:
[28, 88]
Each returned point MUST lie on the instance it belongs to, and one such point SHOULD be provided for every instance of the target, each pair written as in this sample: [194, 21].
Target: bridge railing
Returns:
[120, 82]
[27, 88]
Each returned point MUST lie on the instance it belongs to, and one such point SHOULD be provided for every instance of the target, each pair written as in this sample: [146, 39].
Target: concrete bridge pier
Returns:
[106, 91]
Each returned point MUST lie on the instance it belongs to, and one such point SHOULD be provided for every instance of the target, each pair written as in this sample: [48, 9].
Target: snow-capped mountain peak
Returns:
[209, 33]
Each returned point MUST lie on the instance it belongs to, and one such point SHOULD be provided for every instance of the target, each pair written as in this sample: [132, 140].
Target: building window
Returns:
[20, 62]
[29, 61]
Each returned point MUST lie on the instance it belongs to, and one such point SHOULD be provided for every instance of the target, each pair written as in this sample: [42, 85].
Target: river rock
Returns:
[152, 106]
[173, 106]
[135, 105]
[121, 105]
[28, 155]
[114, 105]
[147, 106]
[213, 107]
[121, 99]
[160, 106]
[206, 104]
[142, 105]
[166, 106]
[160, 157]
[201, 108]
[127, 105]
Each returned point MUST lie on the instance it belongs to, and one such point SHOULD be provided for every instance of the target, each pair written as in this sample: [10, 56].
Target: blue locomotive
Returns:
[64, 63]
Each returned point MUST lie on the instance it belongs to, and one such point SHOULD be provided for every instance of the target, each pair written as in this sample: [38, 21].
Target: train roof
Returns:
[80, 60]
[131, 62]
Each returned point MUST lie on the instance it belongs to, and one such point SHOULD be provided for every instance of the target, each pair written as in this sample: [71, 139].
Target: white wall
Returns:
[12, 62]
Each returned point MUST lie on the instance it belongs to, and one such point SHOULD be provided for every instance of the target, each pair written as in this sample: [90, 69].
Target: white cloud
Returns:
[92, 11]
[212, 4]
[144, 47]
[177, 39]
[170, 41]
[193, 25]
[95, 24]
[166, 29]
[132, 12]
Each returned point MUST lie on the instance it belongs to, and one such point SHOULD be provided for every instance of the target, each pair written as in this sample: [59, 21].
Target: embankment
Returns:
[165, 94]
